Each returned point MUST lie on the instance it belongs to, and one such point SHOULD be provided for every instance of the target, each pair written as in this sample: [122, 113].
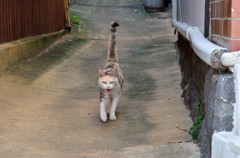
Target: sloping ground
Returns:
[49, 105]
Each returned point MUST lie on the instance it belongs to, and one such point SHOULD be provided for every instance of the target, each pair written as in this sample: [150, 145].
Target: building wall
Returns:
[225, 23]
[24, 18]
[192, 12]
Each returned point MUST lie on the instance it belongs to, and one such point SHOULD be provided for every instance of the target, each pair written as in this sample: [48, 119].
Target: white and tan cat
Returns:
[110, 79]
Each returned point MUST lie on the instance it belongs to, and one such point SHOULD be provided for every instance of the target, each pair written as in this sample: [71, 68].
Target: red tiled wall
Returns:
[225, 23]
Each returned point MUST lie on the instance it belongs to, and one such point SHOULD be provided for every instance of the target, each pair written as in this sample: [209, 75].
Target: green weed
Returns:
[196, 127]
[75, 19]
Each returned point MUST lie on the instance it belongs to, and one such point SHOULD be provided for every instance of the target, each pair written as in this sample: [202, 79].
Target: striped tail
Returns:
[112, 45]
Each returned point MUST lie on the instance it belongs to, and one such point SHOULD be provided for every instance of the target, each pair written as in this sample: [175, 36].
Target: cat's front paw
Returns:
[113, 117]
[103, 117]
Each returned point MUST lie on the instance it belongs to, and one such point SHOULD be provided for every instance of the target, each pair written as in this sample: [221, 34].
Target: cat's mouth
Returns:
[108, 90]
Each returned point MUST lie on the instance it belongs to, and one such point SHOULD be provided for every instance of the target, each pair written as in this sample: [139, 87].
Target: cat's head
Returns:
[107, 82]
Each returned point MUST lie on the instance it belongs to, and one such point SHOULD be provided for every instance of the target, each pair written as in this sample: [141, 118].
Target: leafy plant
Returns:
[196, 127]
[75, 19]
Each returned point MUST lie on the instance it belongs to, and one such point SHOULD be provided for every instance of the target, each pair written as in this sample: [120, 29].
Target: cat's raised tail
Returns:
[112, 45]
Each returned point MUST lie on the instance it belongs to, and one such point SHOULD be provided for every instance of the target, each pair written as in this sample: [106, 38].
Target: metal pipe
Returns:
[206, 19]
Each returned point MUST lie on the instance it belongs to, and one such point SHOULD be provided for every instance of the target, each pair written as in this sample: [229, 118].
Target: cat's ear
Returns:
[100, 72]
[115, 73]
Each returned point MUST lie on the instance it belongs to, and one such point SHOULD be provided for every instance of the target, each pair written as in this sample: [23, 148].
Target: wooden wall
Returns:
[23, 18]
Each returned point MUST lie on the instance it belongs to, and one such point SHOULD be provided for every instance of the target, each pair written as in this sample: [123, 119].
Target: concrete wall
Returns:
[15, 51]
[216, 91]
[191, 12]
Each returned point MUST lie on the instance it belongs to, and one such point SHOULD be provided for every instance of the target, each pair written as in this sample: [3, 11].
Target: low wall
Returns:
[214, 90]
[16, 51]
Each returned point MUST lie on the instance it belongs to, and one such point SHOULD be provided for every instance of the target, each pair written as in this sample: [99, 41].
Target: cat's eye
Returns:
[104, 82]
[112, 82]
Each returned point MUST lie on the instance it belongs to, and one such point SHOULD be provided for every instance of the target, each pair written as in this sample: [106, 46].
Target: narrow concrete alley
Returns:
[49, 104]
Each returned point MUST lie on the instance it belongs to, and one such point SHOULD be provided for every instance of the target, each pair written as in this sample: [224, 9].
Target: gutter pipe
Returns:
[209, 52]
[236, 114]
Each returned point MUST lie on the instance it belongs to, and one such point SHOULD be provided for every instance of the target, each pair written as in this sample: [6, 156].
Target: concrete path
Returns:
[49, 105]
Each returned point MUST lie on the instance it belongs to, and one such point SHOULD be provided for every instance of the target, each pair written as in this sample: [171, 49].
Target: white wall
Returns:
[192, 12]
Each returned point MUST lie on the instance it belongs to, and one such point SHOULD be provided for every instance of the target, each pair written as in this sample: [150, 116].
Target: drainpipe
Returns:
[230, 59]
[236, 116]
[206, 19]
[209, 52]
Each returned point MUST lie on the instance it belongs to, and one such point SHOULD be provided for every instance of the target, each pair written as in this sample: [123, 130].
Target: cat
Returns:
[110, 79]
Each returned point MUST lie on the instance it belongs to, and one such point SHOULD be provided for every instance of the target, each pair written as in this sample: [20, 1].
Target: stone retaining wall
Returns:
[214, 89]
